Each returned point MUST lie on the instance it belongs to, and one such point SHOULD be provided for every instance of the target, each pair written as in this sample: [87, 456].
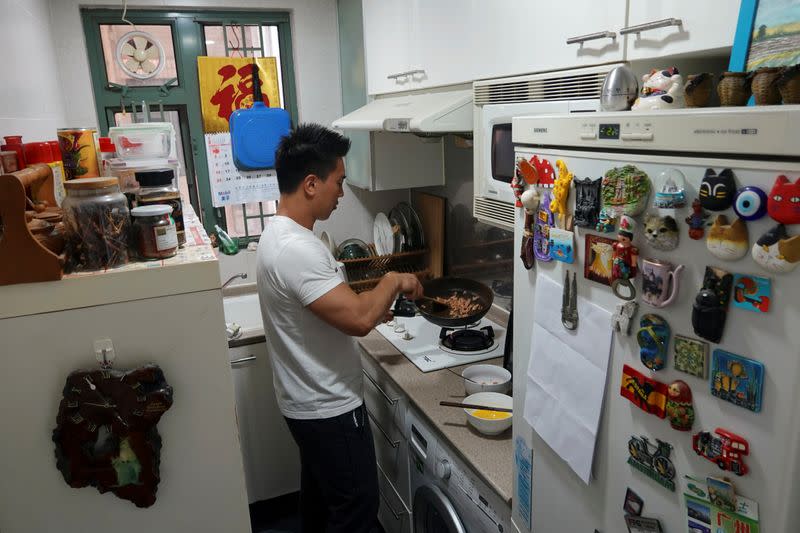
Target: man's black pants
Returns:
[339, 481]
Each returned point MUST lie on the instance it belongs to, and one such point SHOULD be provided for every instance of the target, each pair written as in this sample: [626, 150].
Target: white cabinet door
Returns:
[387, 44]
[707, 25]
[270, 456]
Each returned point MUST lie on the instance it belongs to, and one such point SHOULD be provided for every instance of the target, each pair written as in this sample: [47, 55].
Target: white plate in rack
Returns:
[383, 236]
[328, 241]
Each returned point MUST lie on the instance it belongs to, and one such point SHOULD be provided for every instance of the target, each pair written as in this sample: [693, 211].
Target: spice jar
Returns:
[154, 232]
[157, 186]
[97, 224]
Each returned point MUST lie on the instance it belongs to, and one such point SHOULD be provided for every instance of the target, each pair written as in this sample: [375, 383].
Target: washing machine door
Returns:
[433, 512]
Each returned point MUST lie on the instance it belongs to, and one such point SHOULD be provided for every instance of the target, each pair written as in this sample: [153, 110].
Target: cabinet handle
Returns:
[651, 26]
[393, 443]
[243, 360]
[385, 499]
[405, 74]
[392, 401]
[592, 36]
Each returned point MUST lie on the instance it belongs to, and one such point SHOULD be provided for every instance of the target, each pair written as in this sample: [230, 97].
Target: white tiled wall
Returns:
[31, 104]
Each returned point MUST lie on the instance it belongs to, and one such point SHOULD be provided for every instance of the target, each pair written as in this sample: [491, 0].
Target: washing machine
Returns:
[446, 496]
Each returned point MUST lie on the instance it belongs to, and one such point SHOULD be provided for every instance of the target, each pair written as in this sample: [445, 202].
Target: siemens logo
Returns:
[539, 130]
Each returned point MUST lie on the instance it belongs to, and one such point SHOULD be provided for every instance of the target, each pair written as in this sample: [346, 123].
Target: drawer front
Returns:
[384, 400]
[393, 514]
[392, 457]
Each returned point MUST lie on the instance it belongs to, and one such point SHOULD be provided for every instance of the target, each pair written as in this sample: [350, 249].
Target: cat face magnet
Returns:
[750, 203]
[728, 241]
[661, 232]
[784, 201]
[776, 252]
[717, 190]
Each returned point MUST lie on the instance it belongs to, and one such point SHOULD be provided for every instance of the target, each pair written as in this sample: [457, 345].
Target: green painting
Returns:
[775, 41]
[691, 356]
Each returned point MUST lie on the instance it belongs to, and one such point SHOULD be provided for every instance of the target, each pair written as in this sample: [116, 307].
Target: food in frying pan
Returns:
[461, 306]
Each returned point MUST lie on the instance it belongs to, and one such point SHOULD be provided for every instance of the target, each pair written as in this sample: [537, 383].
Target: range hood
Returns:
[435, 113]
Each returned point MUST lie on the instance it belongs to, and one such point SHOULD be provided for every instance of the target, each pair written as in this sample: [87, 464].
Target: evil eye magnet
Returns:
[750, 203]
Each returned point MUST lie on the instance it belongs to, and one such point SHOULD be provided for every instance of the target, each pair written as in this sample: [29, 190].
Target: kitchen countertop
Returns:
[491, 457]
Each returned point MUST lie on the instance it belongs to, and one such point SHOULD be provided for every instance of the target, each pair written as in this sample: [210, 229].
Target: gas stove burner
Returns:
[467, 340]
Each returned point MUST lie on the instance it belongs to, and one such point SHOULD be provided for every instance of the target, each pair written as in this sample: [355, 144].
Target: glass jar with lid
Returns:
[154, 232]
[97, 224]
[157, 186]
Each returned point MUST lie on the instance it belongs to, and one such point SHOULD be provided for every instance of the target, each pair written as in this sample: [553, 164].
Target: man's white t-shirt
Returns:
[316, 368]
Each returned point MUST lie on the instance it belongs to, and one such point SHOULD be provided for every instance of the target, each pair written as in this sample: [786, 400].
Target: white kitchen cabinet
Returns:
[270, 455]
[705, 26]
[387, 44]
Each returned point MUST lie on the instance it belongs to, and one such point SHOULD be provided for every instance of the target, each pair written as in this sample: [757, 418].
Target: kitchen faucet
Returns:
[242, 275]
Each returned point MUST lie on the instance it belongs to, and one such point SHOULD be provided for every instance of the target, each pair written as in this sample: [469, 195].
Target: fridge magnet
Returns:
[717, 190]
[656, 465]
[625, 191]
[728, 241]
[680, 410]
[698, 512]
[776, 252]
[569, 302]
[703, 515]
[670, 187]
[653, 339]
[721, 493]
[750, 203]
[562, 245]
[647, 394]
[710, 308]
[530, 200]
[598, 254]
[660, 282]
[605, 222]
[526, 248]
[783, 204]
[661, 232]
[541, 229]
[737, 379]
[633, 503]
[661, 89]
[544, 171]
[558, 205]
[638, 524]
[697, 220]
[622, 318]
[624, 260]
[517, 187]
[691, 356]
[723, 448]
[587, 202]
[526, 171]
[751, 292]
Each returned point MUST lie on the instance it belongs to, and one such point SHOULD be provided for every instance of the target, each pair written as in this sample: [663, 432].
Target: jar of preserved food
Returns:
[97, 224]
[157, 186]
[154, 232]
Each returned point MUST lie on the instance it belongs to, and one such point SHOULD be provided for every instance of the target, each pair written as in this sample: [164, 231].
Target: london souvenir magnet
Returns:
[737, 379]
[562, 245]
[728, 241]
[680, 411]
[597, 259]
[587, 202]
[541, 229]
[647, 394]
[751, 292]
[750, 203]
[691, 356]
[661, 232]
[725, 449]
[717, 190]
[653, 339]
[633, 503]
[784, 201]
[776, 251]
[655, 464]
[710, 308]
[697, 220]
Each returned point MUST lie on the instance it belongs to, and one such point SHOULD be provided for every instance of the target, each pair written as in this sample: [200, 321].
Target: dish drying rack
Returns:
[364, 273]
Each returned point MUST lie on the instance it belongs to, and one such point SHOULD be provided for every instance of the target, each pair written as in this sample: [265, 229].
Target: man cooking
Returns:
[310, 318]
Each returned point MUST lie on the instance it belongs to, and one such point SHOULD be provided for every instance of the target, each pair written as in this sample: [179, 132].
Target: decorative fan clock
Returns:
[106, 434]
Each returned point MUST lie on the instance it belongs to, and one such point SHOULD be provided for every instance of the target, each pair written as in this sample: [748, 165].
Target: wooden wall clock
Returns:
[106, 432]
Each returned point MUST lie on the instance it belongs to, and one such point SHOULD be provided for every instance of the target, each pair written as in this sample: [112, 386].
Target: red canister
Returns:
[37, 152]
[14, 144]
[55, 149]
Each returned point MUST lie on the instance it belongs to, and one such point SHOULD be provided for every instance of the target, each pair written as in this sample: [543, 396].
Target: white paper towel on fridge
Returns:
[567, 376]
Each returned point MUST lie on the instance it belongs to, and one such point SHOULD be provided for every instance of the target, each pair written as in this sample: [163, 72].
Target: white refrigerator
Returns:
[757, 144]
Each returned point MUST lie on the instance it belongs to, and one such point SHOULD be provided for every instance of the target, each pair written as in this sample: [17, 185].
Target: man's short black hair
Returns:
[308, 149]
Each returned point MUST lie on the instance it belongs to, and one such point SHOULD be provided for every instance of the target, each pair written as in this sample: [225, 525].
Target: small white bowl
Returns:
[489, 378]
[489, 399]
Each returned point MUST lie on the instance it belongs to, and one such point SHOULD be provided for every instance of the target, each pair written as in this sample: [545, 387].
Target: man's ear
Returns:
[309, 184]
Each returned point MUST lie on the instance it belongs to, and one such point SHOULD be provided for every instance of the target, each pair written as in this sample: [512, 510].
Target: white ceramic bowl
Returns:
[490, 399]
[490, 378]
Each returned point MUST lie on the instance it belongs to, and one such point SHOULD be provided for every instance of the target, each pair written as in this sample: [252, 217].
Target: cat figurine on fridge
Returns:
[776, 252]
[661, 232]
[728, 241]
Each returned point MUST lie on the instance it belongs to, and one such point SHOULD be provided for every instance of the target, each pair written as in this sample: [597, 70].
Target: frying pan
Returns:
[446, 287]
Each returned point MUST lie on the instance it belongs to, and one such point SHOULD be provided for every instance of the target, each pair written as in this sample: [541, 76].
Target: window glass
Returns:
[140, 54]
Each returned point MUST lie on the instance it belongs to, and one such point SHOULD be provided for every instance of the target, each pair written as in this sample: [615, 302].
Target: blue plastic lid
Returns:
[255, 135]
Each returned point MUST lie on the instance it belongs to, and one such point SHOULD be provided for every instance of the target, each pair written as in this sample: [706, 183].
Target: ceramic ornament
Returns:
[697, 220]
[710, 308]
[660, 282]
[728, 241]
[670, 187]
[661, 232]
[717, 190]
[783, 204]
[653, 339]
[587, 202]
[624, 263]
[680, 411]
[625, 191]
[750, 203]
[530, 200]
[605, 222]
[646, 393]
[652, 460]
[661, 89]
[751, 292]
[691, 356]
[737, 379]
[776, 252]
[725, 449]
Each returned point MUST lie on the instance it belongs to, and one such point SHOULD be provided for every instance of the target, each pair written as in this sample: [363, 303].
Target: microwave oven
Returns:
[495, 102]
